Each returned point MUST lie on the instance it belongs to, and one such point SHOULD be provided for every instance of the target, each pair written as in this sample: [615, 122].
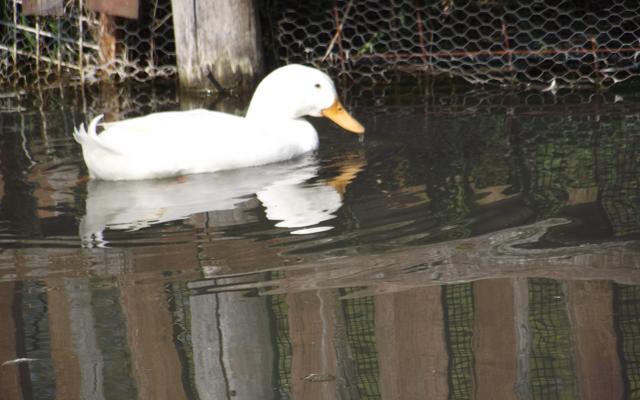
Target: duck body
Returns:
[187, 142]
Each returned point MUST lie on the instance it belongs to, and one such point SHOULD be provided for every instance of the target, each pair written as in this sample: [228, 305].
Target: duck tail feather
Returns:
[82, 135]
[93, 125]
[89, 137]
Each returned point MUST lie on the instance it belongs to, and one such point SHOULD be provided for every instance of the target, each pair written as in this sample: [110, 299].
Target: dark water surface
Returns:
[476, 245]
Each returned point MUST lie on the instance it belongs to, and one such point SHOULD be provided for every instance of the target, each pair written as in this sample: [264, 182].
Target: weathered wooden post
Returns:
[220, 35]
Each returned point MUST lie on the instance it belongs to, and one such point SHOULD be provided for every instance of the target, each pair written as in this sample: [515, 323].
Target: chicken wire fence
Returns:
[545, 44]
[45, 50]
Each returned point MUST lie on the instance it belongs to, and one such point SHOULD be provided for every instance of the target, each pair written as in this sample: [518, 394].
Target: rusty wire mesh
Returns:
[547, 44]
[44, 50]
[544, 44]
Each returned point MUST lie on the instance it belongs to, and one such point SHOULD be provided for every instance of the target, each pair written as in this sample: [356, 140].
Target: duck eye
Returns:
[317, 85]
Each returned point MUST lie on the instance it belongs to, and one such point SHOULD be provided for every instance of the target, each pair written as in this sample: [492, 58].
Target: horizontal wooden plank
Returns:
[42, 7]
[121, 8]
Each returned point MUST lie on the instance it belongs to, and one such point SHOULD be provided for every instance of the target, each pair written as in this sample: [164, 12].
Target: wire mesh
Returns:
[551, 369]
[618, 162]
[541, 43]
[40, 51]
[627, 309]
[278, 311]
[459, 312]
[34, 325]
[360, 324]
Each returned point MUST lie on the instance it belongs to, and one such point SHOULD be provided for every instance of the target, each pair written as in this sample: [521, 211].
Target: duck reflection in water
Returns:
[287, 191]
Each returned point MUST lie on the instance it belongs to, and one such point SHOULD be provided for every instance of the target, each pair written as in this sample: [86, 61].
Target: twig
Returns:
[338, 31]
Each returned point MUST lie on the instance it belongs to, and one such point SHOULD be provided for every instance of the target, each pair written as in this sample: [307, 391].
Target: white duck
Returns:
[188, 142]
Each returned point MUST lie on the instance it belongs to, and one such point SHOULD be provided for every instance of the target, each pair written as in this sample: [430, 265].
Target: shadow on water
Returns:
[478, 244]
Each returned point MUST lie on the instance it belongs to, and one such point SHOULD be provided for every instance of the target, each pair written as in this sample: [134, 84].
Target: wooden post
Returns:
[121, 8]
[43, 7]
[107, 43]
[221, 35]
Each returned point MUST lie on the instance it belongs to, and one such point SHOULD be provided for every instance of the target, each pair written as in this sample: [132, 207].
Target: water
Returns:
[476, 244]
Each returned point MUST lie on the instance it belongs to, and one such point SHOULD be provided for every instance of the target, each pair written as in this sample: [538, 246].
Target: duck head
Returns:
[294, 91]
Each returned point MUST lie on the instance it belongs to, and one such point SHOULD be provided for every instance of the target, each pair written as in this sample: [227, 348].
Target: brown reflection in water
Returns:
[237, 255]
[312, 324]
[65, 362]
[590, 307]
[501, 254]
[11, 382]
[495, 347]
[156, 365]
[233, 352]
[231, 344]
[53, 189]
[412, 349]
[155, 360]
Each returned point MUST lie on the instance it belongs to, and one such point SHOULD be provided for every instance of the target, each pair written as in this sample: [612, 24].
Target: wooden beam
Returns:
[120, 8]
[43, 7]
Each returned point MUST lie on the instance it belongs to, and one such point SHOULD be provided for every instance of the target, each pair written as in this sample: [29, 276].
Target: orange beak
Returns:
[340, 116]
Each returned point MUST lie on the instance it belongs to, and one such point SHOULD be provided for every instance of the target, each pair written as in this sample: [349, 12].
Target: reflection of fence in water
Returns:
[359, 314]
[593, 156]
[579, 154]
[627, 309]
[568, 141]
[551, 373]
[277, 306]
[458, 314]
[562, 150]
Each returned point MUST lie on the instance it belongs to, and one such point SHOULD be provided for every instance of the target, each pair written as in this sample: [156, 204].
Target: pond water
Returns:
[477, 244]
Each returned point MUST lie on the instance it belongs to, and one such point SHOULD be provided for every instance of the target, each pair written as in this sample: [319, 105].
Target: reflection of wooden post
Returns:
[495, 339]
[312, 330]
[596, 359]
[65, 362]
[412, 351]
[154, 357]
[523, 336]
[221, 34]
[231, 342]
[10, 382]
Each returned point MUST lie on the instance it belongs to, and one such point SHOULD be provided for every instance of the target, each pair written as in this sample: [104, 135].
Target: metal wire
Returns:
[548, 44]
[459, 311]
[550, 355]
[627, 309]
[37, 51]
[541, 44]
[360, 324]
